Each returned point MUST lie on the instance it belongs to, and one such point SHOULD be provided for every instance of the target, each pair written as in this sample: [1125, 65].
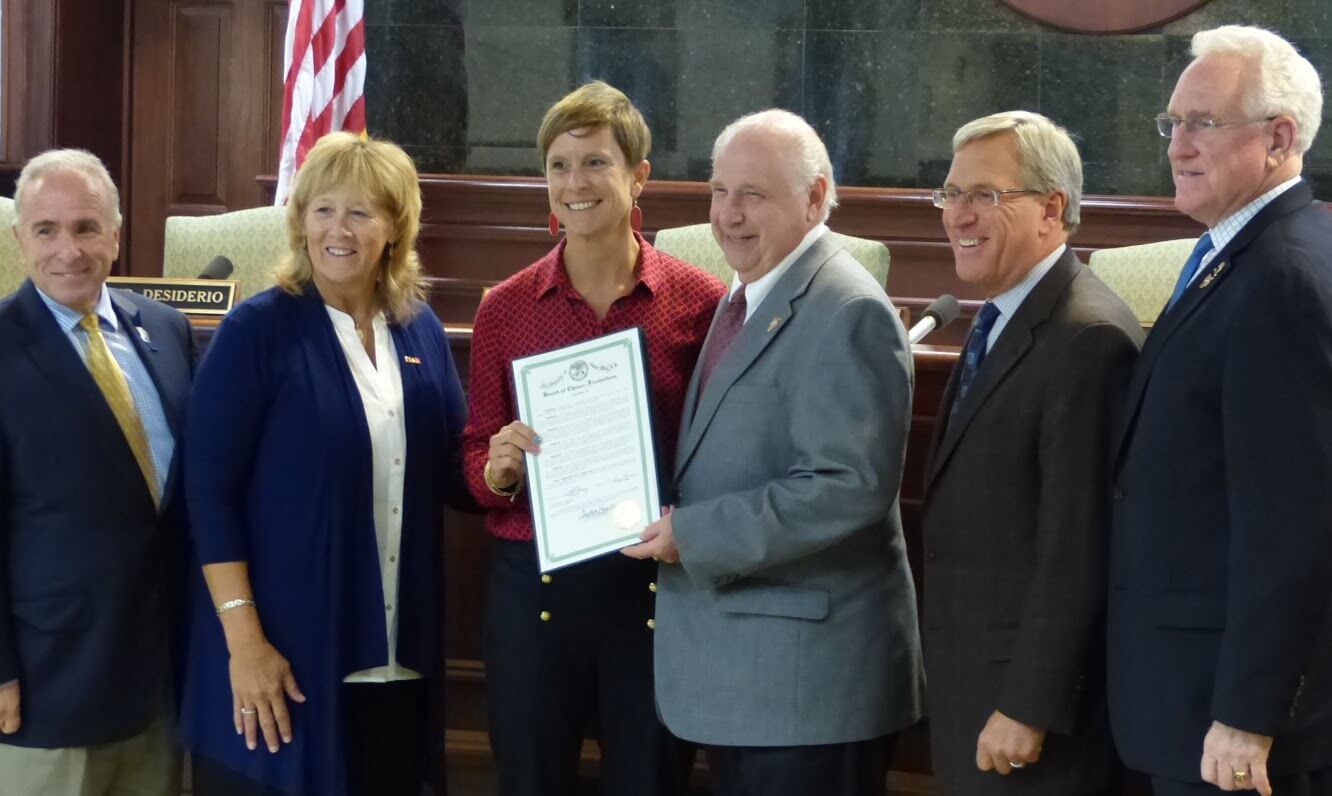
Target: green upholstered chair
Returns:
[1143, 275]
[695, 244]
[255, 240]
[11, 266]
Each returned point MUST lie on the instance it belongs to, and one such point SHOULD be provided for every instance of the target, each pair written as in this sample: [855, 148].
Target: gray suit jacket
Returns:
[1015, 526]
[792, 619]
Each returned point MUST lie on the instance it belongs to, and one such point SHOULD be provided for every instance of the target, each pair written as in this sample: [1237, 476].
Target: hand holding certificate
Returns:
[594, 486]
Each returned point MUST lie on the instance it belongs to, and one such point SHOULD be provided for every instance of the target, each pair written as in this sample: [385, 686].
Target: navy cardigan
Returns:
[278, 474]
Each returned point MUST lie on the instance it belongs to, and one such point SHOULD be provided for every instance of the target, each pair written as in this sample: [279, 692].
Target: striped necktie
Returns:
[115, 389]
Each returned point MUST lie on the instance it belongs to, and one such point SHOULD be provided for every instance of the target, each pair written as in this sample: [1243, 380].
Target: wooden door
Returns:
[206, 98]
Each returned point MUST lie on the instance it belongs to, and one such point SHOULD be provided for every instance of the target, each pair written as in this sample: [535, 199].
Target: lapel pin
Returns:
[1207, 280]
[411, 360]
[774, 323]
[143, 335]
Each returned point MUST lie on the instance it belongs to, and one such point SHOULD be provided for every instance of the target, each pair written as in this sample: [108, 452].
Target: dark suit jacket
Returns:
[83, 586]
[1221, 549]
[1014, 532]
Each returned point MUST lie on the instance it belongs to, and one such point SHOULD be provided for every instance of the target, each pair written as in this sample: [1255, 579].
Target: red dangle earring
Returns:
[553, 224]
[636, 218]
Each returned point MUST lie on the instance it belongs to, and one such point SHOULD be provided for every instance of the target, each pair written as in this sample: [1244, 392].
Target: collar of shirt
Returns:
[759, 289]
[69, 319]
[554, 275]
[1008, 301]
[1227, 228]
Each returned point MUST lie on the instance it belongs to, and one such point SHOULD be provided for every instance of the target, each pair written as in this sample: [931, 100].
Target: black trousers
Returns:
[386, 743]
[569, 659]
[1314, 783]
[843, 769]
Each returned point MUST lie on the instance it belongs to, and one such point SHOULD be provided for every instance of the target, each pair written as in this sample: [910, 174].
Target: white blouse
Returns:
[381, 395]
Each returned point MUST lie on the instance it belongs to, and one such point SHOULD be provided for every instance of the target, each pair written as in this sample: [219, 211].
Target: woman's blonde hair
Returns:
[597, 104]
[387, 176]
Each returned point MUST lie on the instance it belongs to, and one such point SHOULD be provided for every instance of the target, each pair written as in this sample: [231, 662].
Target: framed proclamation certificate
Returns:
[594, 485]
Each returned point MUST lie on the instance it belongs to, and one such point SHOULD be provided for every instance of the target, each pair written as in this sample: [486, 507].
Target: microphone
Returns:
[941, 312]
[220, 267]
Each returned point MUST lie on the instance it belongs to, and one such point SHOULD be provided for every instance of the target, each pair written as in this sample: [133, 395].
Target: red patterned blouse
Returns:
[537, 309]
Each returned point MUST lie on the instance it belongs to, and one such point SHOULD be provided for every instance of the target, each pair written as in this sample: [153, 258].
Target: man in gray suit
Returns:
[1016, 494]
[786, 617]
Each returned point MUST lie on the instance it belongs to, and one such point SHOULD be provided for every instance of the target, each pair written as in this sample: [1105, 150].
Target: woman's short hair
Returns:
[1284, 82]
[387, 176]
[597, 104]
[1048, 160]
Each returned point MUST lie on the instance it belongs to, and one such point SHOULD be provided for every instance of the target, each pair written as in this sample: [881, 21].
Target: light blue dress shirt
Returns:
[142, 389]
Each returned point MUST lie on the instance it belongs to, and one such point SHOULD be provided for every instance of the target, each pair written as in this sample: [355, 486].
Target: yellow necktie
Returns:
[111, 381]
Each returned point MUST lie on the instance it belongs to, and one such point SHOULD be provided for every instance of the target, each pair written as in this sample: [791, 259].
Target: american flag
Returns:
[324, 87]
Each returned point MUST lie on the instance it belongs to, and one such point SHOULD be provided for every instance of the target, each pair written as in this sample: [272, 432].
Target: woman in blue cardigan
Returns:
[323, 438]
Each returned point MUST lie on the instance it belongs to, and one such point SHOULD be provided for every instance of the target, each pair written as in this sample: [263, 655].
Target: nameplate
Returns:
[190, 296]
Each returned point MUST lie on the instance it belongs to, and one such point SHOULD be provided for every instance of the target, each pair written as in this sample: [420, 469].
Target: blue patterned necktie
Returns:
[974, 352]
[1190, 267]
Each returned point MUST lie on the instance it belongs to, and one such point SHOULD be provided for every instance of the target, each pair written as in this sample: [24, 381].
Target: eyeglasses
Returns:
[1167, 124]
[945, 198]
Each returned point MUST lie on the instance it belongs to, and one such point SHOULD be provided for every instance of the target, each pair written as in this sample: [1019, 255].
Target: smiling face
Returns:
[996, 247]
[1219, 171]
[758, 215]
[345, 236]
[68, 237]
[590, 186]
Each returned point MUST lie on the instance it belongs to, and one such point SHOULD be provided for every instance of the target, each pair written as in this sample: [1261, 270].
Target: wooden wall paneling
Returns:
[29, 79]
[200, 39]
[204, 78]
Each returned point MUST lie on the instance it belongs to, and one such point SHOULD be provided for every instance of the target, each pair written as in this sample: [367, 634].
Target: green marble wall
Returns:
[462, 84]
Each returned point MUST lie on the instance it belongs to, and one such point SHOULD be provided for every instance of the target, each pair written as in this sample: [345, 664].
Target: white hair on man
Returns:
[77, 161]
[811, 155]
[1048, 160]
[1284, 82]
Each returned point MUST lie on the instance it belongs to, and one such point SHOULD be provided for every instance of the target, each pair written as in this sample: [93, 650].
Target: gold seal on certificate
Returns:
[593, 487]
[626, 514]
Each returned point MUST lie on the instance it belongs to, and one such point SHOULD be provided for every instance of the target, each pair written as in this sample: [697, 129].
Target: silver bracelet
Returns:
[237, 603]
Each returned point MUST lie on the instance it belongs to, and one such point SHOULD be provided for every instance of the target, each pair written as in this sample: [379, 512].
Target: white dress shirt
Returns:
[759, 289]
[380, 385]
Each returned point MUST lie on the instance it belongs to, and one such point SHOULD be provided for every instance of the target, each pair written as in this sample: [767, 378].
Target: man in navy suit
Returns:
[1220, 602]
[90, 410]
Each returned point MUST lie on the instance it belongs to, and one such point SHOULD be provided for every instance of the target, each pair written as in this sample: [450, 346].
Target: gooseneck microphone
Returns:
[220, 267]
[941, 312]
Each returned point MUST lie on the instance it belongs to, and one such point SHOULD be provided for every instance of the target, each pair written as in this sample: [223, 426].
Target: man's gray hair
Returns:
[77, 161]
[1048, 160]
[810, 155]
[1284, 82]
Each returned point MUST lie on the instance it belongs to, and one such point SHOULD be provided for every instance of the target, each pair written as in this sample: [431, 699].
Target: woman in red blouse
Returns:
[569, 654]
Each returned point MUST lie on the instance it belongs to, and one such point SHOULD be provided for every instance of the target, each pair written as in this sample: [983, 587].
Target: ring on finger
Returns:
[248, 711]
[1241, 777]
[1015, 764]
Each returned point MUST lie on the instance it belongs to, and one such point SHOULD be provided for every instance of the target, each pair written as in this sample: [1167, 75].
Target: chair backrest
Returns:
[255, 241]
[695, 244]
[1143, 275]
[11, 263]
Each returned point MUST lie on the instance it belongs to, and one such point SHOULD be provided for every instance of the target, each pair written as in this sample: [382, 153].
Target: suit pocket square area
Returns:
[774, 599]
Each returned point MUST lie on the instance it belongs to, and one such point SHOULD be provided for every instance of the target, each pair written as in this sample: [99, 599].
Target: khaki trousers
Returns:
[147, 764]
